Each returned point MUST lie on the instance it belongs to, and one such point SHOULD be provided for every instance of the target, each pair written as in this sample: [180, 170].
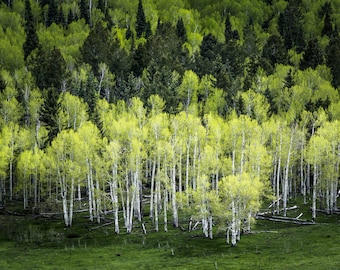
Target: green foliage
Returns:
[32, 41]
[180, 94]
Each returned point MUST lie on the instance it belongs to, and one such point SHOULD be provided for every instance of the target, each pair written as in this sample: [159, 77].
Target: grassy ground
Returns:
[28, 243]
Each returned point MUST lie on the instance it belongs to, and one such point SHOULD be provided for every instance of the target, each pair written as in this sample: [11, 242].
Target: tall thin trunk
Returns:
[173, 195]
[315, 176]
[71, 201]
[165, 210]
[285, 188]
[153, 172]
[233, 225]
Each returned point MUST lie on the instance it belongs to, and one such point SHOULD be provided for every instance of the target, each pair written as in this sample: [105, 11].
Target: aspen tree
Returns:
[62, 154]
[241, 194]
[73, 111]
[316, 152]
[90, 144]
[330, 131]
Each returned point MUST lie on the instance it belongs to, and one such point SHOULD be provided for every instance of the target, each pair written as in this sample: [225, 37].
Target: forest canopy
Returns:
[205, 107]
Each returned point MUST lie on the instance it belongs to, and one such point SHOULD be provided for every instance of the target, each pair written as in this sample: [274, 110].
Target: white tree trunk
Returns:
[233, 225]
[315, 172]
[285, 185]
[173, 195]
[165, 210]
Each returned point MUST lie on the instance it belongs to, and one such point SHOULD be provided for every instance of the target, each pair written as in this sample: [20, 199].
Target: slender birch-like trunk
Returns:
[315, 176]
[285, 186]
[173, 195]
[71, 202]
[278, 178]
[165, 210]
[233, 225]
[153, 173]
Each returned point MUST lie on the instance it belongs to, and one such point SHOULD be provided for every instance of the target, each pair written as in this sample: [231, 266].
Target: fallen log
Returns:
[275, 212]
[286, 220]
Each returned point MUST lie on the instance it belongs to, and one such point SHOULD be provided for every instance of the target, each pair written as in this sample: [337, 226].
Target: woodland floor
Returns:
[29, 242]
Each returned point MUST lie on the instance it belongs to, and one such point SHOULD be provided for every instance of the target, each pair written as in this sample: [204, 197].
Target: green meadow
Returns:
[29, 242]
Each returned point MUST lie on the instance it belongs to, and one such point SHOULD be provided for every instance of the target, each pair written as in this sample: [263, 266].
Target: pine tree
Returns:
[101, 6]
[48, 67]
[140, 20]
[333, 57]
[49, 112]
[181, 31]
[52, 14]
[32, 41]
[312, 56]
[3, 84]
[84, 12]
[97, 48]
[274, 52]
[327, 28]
[230, 34]
[70, 17]
[61, 18]
[290, 26]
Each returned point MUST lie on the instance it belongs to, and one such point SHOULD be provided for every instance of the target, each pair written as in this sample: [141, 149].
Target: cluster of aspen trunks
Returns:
[210, 167]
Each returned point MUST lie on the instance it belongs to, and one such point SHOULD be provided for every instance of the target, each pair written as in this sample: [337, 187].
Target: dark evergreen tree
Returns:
[71, 17]
[119, 61]
[205, 62]
[312, 56]
[240, 107]
[290, 26]
[48, 114]
[251, 54]
[61, 17]
[3, 84]
[139, 60]
[31, 41]
[209, 47]
[165, 47]
[84, 11]
[127, 88]
[327, 27]
[289, 80]
[273, 106]
[97, 47]
[231, 52]
[229, 34]
[48, 68]
[141, 24]
[333, 57]
[160, 81]
[44, 2]
[90, 93]
[101, 6]
[274, 52]
[181, 31]
[148, 31]
[52, 13]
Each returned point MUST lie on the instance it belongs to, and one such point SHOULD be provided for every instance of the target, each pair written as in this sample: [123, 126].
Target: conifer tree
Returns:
[61, 18]
[181, 31]
[52, 14]
[84, 12]
[333, 57]
[32, 41]
[312, 56]
[141, 24]
[290, 26]
[49, 112]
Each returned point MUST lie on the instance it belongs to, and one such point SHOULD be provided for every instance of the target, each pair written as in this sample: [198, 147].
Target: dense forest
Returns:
[202, 108]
